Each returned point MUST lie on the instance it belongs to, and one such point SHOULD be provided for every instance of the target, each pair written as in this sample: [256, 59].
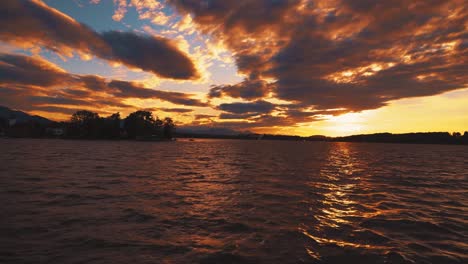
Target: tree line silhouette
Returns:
[140, 125]
[417, 138]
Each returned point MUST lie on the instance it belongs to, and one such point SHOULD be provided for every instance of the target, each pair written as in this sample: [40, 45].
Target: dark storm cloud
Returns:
[375, 91]
[26, 70]
[29, 98]
[345, 54]
[148, 53]
[248, 89]
[34, 22]
[290, 117]
[94, 83]
[175, 110]
[258, 107]
[252, 14]
[170, 110]
[26, 82]
[133, 90]
[263, 121]
[236, 116]
[57, 100]
[52, 109]
[203, 116]
[31, 23]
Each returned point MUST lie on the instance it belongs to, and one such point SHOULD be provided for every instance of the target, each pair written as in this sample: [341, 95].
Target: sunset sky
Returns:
[332, 67]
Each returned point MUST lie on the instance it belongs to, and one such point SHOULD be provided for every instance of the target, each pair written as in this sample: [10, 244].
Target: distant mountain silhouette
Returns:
[21, 117]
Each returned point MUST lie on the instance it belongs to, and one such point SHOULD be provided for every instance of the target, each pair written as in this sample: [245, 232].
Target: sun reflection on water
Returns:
[342, 203]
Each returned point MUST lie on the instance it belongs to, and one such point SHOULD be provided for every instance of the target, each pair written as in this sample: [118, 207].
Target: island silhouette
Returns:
[83, 124]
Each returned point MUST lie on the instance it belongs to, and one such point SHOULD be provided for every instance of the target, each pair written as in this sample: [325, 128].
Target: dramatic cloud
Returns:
[30, 71]
[149, 53]
[29, 23]
[237, 116]
[257, 107]
[175, 110]
[203, 116]
[248, 89]
[134, 90]
[254, 15]
[32, 82]
[350, 55]
[146, 9]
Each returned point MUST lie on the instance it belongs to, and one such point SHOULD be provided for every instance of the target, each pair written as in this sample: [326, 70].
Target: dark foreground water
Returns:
[232, 201]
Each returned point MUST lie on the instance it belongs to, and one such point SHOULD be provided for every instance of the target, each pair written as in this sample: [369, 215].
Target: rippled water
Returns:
[232, 201]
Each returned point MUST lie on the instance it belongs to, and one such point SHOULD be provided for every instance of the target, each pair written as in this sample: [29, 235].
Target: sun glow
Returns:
[347, 123]
[401, 116]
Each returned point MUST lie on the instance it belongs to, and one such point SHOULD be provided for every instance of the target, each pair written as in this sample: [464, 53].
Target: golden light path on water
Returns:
[339, 205]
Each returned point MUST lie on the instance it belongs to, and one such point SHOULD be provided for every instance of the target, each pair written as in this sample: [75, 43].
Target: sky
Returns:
[302, 67]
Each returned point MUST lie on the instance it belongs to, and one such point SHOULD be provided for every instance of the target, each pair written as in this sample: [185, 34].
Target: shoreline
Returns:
[194, 139]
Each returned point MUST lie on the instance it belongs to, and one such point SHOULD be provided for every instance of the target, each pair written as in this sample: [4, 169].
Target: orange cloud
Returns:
[33, 22]
[32, 83]
[351, 55]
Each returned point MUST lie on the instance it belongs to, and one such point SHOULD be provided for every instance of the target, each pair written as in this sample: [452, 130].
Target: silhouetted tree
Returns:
[168, 128]
[464, 138]
[428, 137]
[111, 126]
[3, 126]
[140, 123]
[83, 117]
[85, 124]
[158, 127]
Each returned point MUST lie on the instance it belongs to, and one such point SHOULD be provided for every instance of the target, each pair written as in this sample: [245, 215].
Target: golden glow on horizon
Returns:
[424, 114]
[401, 116]
[347, 123]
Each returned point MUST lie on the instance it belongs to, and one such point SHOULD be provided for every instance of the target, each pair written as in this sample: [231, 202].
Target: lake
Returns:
[232, 201]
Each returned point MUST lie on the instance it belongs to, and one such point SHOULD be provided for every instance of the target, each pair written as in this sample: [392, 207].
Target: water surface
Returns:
[232, 201]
